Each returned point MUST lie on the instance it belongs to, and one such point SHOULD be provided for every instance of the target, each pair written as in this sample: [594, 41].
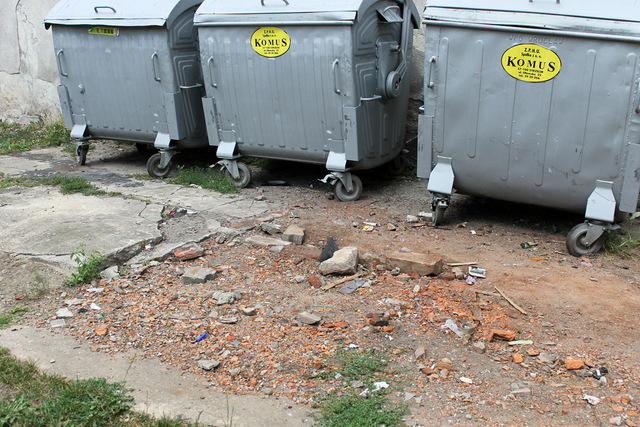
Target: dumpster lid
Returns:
[588, 15]
[122, 13]
[219, 12]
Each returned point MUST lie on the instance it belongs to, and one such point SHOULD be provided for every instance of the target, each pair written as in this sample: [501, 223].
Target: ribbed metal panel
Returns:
[121, 97]
[543, 143]
[283, 107]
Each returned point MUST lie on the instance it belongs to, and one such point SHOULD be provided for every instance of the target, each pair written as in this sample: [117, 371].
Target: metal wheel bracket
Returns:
[596, 230]
[231, 166]
[82, 143]
[165, 158]
[344, 177]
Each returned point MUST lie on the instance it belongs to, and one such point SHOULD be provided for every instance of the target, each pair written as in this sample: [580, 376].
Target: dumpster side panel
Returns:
[543, 142]
[287, 107]
[116, 83]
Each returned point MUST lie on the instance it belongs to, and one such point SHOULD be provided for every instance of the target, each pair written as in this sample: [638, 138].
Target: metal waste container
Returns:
[315, 82]
[535, 102]
[130, 70]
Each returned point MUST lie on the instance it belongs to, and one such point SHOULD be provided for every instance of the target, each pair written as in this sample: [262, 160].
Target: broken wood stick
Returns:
[461, 264]
[339, 281]
[516, 306]
[489, 293]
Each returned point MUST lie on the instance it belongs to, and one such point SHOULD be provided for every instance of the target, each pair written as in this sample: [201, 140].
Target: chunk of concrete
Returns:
[271, 228]
[308, 318]
[195, 275]
[270, 243]
[294, 234]
[343, 261]
[412, 262]
[208, 365]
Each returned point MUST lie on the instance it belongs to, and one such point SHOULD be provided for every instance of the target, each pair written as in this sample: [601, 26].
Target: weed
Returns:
[16, 137]
[364, 366]
[88, 265]
[354, 410]
[30, 398]
[5, 320]
[19, 310]
[229, 421]
[622, 243]
[348, 408]
[67, 184]
[40, 287]
[204, 178]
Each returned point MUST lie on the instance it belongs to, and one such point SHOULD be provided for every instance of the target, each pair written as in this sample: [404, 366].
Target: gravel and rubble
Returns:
[254, 327]
[536, 337]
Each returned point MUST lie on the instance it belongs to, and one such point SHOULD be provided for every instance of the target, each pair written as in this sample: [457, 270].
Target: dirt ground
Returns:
[583, 309]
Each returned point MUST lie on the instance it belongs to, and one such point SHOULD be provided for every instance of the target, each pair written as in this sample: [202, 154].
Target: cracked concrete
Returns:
[43, 224]
[40, 228]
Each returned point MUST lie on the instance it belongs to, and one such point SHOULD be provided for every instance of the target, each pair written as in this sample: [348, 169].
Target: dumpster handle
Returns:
[209, 63]
[334, 68]
[190, 87]
[285, 2]
[154, 58]
[431, 83]
[59, 60]
[104, 7]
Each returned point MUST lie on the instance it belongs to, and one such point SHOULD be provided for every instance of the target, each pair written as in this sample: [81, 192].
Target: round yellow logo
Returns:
[270, 42]
[531, 63]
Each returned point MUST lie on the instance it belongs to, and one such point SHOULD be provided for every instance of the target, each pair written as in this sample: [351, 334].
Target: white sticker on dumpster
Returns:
[270, 42]
[531, 63]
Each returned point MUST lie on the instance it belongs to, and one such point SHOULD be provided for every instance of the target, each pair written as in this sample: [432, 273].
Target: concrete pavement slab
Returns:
[157, 389]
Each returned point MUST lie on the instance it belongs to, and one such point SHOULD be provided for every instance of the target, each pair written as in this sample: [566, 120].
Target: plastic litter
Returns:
[592, 400]
[451, 325]
[477, 272]
[599, 373]
[201, 337]
[470, 280]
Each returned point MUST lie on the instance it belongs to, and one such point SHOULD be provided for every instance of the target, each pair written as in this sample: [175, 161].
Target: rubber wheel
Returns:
[575, 241]
[153, 167]
[343, 195]
[245, 176]
[397, 166]
[438, 214]
[81, 154]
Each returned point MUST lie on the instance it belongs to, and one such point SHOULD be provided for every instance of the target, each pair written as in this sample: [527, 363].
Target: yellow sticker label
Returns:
[531, 63]
[270, 42]
[104, 31]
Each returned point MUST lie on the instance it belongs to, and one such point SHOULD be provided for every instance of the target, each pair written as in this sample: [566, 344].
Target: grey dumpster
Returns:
[535, 102]
[316, 82]
[129, 70]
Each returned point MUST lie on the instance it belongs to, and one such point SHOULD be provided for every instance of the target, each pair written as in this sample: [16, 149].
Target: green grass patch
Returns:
[347, 407]
[30, 398]
[6, 319]
[354, 410]
[89, 265]
[622, 243]
[16, 137]
[67, 184]
[206, 178]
